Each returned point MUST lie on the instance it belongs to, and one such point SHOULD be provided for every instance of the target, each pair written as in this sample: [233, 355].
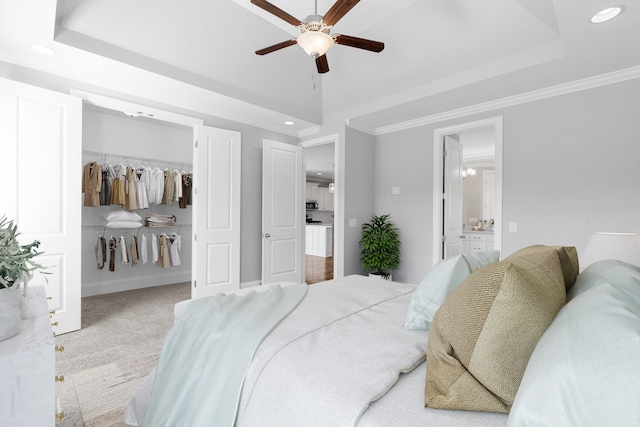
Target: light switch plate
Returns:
[352, 223]
[395, 190]
[513, 227]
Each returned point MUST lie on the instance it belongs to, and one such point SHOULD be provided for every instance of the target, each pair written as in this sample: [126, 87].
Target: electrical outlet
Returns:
[395, 190]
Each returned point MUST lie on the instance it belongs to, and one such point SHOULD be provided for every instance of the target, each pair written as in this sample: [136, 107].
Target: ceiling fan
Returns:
[315, 38]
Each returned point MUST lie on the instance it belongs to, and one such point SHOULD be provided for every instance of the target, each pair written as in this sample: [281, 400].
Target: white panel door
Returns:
[283, 213]
[216, 220]
[453, 201]
[41, 134]
[488, 195]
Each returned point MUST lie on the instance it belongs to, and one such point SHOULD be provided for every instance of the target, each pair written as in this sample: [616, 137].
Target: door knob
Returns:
[267, 235]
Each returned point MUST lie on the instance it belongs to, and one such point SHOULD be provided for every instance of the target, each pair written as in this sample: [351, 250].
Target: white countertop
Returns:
[319, 225]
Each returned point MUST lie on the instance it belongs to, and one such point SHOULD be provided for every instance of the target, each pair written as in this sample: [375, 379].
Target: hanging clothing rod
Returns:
[142, 159]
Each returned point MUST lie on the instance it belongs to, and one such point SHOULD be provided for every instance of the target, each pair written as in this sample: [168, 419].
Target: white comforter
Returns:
[343, 347]
[336, 360]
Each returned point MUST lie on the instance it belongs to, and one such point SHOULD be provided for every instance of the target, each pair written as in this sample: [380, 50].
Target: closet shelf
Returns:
[134, 228]
[141, 159]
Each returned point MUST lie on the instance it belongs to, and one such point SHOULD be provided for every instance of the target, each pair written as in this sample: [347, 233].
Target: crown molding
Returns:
[552, 91]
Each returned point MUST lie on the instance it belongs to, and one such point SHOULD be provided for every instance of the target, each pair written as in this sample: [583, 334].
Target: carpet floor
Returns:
[119, 343]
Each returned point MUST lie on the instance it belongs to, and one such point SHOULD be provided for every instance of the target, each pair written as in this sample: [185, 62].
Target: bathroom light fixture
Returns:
[468, 172]
[606, 14]
[332, 187]
[42, 49]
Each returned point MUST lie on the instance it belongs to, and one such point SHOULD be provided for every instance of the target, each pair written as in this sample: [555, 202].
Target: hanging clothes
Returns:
[124, 258]
[164, 257]
[177, 185]
[101, 252]
[154, 249]
[131, 199]
[91, 183]
[142, 186]
[112, 253]
[117, 187]
[143, 249]
[156, 186]
[169, 188]
[134, 251]
[176, 247]
[107, 180]
[185, 200]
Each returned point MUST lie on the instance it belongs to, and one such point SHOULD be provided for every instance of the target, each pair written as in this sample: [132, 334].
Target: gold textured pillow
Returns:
[482, 336]
[568, 260]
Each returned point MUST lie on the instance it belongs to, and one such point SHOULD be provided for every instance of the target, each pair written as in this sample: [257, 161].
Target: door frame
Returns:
[438, 170]
[338, 197]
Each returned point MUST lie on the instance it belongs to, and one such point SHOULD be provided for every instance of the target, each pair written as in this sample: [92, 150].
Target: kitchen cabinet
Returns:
[312, 191]
[319, 241]
[325, 199]
[477, 241]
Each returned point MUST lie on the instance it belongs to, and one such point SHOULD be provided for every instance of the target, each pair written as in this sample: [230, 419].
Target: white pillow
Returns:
[443, 278]
[601, 272]
[123, 224]
[122, 216]
[585, 370]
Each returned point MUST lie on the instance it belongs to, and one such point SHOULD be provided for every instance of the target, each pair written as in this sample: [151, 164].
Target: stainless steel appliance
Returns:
[312, 205]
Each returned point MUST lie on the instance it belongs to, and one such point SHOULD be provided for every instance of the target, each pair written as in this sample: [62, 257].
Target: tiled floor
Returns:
[318, 269]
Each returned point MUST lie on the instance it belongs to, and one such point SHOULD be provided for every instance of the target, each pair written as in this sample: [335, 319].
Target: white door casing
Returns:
[452, 179]
[216, 204]
[438, 205]
[283, 212]
[41, 134]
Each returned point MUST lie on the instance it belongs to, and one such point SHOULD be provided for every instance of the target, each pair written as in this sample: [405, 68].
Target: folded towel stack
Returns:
[158, 220]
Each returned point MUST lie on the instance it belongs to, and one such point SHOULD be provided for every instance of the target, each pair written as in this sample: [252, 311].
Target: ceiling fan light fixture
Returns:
[315, 43]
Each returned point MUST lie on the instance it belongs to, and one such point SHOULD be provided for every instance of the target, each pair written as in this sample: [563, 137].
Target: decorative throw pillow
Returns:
[585, 369]
[601, 272]
[568, 260]
[443, 278]
[482, 336]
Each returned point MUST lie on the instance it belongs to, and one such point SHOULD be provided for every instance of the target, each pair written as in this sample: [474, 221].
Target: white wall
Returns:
[114, 133]
[569, 169]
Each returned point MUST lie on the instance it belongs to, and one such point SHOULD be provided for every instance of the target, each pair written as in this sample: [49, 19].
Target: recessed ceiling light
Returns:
[289, 123]
[319, 173]
[606, 14]
[42, 49]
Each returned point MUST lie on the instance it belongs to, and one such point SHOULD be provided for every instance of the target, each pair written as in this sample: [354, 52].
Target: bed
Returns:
[351, 351]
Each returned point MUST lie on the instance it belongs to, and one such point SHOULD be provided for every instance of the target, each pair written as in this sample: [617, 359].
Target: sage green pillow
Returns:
[443, 278]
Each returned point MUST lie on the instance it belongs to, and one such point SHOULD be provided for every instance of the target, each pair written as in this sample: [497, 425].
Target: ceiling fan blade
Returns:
[322, 64]
[275, 47]
[338, 10]
[274, 10]
[359, 43]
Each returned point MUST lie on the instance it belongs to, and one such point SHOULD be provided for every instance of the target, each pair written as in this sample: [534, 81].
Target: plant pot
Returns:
[10, 313]
[379, 276]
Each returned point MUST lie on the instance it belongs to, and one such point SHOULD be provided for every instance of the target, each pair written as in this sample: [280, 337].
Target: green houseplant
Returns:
[16, 266]
[380, 246]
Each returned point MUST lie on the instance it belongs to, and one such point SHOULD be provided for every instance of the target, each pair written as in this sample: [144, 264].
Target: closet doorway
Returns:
[120, 140]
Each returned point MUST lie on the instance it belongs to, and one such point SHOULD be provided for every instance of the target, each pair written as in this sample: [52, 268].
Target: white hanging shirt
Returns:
[176, 247]
[143, 249]
[154, 248]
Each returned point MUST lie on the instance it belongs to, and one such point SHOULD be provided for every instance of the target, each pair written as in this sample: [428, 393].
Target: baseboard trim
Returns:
[111, 286]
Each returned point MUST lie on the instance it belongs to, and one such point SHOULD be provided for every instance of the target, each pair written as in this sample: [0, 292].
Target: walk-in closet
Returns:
[135, 243]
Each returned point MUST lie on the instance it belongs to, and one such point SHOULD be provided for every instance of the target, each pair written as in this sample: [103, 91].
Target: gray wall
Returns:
[569, 169]
[359, 190]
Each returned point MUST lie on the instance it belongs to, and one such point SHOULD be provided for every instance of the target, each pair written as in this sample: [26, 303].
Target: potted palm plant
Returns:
[380, 246]
[16, 266]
